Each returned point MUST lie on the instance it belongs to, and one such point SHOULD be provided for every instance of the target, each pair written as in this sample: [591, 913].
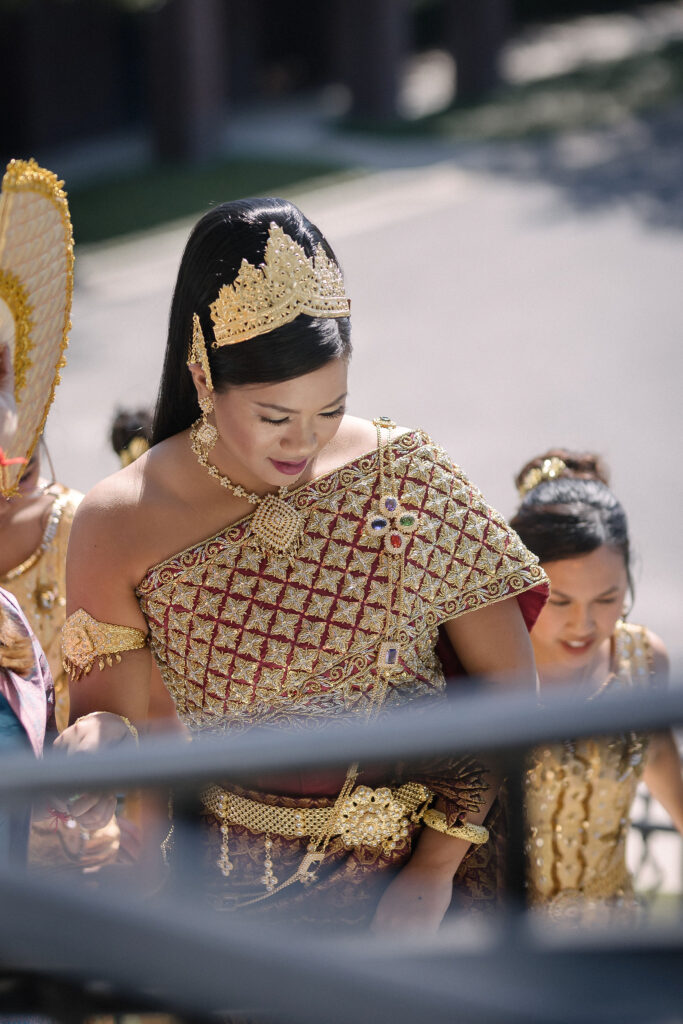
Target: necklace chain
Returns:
[221, 478]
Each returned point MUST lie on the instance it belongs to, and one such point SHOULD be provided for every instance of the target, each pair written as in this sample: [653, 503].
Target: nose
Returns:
[583, 620]
[300, 440]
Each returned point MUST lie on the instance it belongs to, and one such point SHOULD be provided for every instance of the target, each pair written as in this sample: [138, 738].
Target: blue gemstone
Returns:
[391, 657]
[379, 523]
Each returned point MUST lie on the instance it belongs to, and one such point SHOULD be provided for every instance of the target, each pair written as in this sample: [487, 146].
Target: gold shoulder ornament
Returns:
[86, 641]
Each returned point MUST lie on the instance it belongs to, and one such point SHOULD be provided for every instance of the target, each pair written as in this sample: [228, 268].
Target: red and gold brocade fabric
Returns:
[242, 638]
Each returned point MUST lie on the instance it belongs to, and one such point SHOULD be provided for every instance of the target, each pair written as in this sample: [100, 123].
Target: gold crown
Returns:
[286, 284]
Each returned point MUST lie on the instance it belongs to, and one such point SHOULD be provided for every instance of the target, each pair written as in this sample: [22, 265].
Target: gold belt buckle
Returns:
[372, 817]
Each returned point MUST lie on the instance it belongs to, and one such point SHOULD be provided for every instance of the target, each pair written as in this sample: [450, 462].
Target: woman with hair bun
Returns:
[285, 563]
[579, 793]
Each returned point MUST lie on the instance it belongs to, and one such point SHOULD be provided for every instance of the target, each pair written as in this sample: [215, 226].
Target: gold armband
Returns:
[476, 834]
[86, 641]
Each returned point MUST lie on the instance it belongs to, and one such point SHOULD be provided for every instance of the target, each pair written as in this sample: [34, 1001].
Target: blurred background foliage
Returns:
[138, 101]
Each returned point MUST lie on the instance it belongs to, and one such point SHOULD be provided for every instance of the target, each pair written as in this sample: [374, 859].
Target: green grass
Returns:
[591, 97]
[166, 192]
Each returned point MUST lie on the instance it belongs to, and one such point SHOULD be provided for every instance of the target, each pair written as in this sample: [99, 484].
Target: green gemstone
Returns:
[407, 520]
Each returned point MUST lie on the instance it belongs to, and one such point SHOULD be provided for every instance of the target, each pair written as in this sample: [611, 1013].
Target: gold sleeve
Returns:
[86, 641]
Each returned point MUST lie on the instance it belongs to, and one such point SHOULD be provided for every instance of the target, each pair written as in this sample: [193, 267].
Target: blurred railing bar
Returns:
[181, 956]
[492, 723]
[515, 867]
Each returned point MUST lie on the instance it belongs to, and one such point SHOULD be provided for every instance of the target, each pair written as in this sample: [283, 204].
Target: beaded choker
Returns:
[276, 526]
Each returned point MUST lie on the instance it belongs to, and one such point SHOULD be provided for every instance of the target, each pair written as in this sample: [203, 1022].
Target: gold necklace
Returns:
[276, 526]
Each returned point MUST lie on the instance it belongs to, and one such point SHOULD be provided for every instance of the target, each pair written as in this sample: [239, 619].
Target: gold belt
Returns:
[371, 817]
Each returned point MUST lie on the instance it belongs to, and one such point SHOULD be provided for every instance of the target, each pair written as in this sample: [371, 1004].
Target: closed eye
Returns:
[285, 419]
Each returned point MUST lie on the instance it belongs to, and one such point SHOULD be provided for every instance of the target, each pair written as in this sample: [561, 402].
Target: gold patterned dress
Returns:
[350, 620]
[579, 796]
[39, 585]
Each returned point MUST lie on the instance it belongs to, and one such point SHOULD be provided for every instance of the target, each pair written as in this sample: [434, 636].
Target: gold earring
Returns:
[207, 435]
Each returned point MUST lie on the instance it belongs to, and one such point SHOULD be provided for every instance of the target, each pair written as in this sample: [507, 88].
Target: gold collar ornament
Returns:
[276, 526]
[36, 284]
[286, 284]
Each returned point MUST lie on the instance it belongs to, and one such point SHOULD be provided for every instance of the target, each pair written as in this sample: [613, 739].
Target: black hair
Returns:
[213, 255]
[572, 514]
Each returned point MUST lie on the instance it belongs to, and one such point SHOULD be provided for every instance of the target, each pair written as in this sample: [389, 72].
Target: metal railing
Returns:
[112, 946]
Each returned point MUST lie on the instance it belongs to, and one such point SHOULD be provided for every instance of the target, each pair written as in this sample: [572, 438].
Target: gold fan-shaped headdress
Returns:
[36, 284]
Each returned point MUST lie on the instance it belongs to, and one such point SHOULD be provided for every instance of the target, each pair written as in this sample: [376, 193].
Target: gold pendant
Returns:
[276, 525]
[206, 436]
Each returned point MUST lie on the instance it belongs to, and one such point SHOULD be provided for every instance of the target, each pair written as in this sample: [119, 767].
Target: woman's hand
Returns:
[415, 901]
[94, 731]
[89, 733]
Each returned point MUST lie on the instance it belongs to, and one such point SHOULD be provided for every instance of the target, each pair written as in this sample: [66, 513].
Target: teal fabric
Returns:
[14, 825]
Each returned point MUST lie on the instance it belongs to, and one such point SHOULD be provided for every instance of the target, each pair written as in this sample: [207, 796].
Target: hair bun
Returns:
[561, 463]
[130, 433]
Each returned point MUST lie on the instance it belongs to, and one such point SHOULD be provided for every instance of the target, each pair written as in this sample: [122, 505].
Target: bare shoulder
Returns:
[103, 533]
[355, 437]
[660, 660]
[114, 521]
[109, 503]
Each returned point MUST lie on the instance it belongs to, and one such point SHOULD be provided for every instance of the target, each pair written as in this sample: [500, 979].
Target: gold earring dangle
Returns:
[205, 434]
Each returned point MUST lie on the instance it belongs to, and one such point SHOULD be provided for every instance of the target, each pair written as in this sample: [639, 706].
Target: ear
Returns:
[199, 379]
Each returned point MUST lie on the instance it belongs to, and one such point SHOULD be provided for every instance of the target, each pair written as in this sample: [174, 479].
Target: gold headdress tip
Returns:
[27, 174]
[32, 204]
[286, 284]
[197, 352]
[550, 469]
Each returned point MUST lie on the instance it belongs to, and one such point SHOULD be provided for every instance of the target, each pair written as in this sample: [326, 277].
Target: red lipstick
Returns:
[290, 468]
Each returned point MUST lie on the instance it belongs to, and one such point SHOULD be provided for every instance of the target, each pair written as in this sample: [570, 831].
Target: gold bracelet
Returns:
[475, 834]
[131, 728]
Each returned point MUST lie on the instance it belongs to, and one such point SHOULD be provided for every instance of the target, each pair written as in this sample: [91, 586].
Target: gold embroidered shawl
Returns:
[242, 638]
[579, 797]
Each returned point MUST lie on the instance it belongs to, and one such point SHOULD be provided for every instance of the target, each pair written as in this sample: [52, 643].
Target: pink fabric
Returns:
[31, 697]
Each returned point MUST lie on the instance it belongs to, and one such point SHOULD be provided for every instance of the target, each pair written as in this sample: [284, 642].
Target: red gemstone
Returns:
[395, 540]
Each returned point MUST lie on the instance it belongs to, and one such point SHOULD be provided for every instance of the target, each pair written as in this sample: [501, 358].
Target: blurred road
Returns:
[489, 307]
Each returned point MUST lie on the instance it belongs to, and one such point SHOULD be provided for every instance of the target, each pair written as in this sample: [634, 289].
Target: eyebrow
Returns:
[561, 593]
[282, 408]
